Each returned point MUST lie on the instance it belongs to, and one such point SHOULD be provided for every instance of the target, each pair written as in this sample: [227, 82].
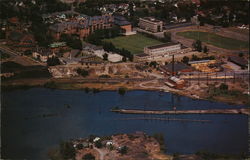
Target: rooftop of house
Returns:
[57, 44]
[162, 45]
[238, 60]
[16, 36]
[87, 46]
[43, 51]
[178, 67]
[19, 36]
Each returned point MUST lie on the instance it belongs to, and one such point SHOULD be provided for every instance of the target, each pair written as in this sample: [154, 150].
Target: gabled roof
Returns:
[16, 36]
[178, 67]
[238, 60]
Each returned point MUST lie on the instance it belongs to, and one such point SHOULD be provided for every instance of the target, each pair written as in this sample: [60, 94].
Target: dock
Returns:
[244, 111]
[166, 119]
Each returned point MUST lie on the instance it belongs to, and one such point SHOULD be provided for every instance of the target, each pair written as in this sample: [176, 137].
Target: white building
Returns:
[162, 49]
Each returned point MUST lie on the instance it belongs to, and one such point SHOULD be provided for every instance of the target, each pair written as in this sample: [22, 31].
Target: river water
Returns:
[38, 119]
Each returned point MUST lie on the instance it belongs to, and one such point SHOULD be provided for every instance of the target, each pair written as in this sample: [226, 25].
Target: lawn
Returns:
[134, 43]
[215, 40]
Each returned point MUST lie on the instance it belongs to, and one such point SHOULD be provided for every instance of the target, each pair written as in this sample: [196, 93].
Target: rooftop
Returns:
[238, 60]
[151, 19]
[178, 67]
[163, 45]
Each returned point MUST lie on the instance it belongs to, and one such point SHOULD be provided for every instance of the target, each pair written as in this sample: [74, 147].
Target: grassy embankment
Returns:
[134, 43]
[223, 94]
[215, 40]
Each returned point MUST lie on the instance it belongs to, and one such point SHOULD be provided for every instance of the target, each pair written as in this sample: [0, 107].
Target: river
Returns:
[38, 119]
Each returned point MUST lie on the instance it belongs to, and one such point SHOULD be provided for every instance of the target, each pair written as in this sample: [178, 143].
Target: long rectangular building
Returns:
[82, 27]
[150, 24]
[162, 49]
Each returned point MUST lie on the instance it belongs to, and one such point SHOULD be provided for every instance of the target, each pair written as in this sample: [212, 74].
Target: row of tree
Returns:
[197, 45]
[98, 37]
[109, 47]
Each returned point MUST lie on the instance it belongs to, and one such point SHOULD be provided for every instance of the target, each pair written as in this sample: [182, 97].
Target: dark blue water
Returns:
[27, 134]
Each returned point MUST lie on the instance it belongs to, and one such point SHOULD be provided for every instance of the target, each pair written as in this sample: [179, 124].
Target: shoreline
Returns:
[69, 85]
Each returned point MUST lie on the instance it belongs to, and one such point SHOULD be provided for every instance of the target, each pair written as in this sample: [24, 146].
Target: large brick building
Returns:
[82, 27]
[150, 24]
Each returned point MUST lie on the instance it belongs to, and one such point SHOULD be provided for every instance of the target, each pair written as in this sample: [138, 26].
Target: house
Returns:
[175, 82]
[175, 69]
[240, 61]
[96, 139]
[42, 54]
[20, 40]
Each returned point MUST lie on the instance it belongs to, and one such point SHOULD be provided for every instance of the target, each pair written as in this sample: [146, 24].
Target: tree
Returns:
[240, 54]
[194, 58]
[123, 150]
[124, 59]
[224, 87]
[185, 59]
[167, 36]
[105, 56]
[205, 49]
[82, 72]
[53, 61]
[88, 156]
[98, 144]
[67, 150]
[122, 91]
[197, 45]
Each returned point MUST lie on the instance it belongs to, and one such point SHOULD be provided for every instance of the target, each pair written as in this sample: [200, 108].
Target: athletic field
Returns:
[134, 43]
[215, 40]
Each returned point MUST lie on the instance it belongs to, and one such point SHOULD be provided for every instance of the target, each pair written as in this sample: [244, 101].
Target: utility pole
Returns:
[207, 78]
[225, 77]
[173, 65]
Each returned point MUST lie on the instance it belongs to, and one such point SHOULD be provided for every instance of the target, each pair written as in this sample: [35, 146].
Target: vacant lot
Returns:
[133, 43]
[215, 40]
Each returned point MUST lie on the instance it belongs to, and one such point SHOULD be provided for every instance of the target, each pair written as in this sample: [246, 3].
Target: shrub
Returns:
[67, 150]
[82, 72]
[223, 87]
[122, 91]
[88, 156]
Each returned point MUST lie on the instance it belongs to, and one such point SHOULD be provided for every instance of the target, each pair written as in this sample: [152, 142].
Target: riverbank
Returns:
[138, 145]
[76, 84]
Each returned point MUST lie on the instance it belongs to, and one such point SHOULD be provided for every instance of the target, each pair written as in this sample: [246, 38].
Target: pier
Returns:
[166, 119]
[208, 111]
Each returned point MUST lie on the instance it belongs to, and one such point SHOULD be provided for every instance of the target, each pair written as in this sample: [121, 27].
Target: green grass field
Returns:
[215, 40]
[134, 43]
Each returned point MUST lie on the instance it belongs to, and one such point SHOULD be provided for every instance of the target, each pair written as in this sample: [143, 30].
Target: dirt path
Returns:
[101, 152]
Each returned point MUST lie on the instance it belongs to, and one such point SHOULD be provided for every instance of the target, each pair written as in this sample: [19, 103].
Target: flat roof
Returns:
[151, 19]
[162, 45]
[142, 55]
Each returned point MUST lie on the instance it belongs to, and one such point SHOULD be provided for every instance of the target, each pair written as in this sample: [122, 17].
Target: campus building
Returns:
[163, 49]
[124, 25]
[82, 27]
[150, 24]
